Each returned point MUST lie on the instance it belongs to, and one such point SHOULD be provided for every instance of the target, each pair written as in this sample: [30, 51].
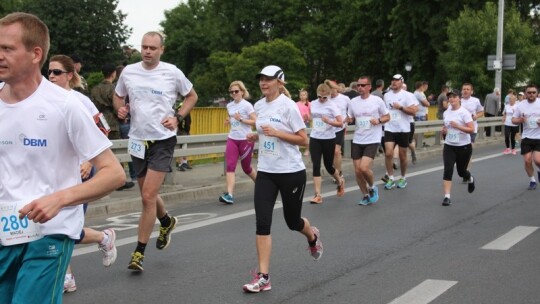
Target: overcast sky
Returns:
[144, 16]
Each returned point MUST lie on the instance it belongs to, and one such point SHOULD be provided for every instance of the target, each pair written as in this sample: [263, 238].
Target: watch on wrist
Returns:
[179, 117]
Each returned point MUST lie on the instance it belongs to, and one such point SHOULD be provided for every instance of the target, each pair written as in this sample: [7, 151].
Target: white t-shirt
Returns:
[456, 137]
[152, 94]
[531, 111]
[239, 130]
[42, 140]
[341, 101]
[509, 112]
[399, 120]
[363, 110]
[88, 104]
[422, 110]
[276, 155]
[320, 129]
[474, 106]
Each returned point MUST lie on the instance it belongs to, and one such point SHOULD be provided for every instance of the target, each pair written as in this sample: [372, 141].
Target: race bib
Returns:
[452, 136]
[136, 148]
[14, 231]
[394, 115]
[318, 124]
[532, 122]
[268, 146]
[235, 124]
[363, 123]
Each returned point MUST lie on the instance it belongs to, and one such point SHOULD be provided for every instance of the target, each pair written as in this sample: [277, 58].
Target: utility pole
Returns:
[499, 54]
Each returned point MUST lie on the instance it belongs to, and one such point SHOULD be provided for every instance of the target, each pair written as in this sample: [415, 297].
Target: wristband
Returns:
[179, 117]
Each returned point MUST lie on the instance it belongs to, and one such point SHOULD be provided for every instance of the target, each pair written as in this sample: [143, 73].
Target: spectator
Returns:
[83, 87]
[183, 130]
[43, 184]
[351, 91]
[305, 110]
[379, 89]
[491, 106]
[442, 101]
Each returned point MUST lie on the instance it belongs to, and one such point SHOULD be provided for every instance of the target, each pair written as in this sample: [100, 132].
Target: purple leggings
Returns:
[239, 148]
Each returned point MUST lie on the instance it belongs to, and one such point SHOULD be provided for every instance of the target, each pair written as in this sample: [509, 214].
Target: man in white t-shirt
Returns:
[45, 134]
[402, 106]
[153, 87]
[369, 113]
[527, 113]
[473, 105]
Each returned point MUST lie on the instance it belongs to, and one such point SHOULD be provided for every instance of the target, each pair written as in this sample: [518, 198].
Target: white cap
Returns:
[272, 71]
[397, 77]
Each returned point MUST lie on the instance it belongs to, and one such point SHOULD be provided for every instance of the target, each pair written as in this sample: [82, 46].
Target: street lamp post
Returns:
[408, 68]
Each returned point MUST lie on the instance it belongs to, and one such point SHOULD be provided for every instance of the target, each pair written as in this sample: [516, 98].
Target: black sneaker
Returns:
[394, 166]
[187, 166]
[180, 168]
[446, 202]
[164, 238]
[136, 261]
[470, 186]
[385, 178]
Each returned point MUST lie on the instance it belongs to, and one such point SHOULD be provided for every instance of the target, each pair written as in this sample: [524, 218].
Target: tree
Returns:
[93, 29]
[473, 35]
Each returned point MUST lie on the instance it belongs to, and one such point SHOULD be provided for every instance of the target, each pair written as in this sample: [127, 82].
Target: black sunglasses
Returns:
[322, 97]
[234, 91]
[531, 92]
[57, 72]
[363, 84]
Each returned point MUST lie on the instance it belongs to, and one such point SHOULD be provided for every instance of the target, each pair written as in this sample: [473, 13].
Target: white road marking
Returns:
[425, 292]
[512, 237]
[80, 250]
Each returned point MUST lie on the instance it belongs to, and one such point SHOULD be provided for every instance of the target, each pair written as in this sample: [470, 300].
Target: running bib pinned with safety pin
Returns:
[363, 122]
[452, 136]
[268, 145]
[14, 231]
[136, 148]
[532, 122]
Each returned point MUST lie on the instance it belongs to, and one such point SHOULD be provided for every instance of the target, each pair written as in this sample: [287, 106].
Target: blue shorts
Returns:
[34, 272]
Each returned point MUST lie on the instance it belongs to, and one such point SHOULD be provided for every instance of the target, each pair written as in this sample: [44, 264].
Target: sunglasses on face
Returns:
[323, 97]
[56, 72]
[234, 91]
[363, 84]
[531, 92]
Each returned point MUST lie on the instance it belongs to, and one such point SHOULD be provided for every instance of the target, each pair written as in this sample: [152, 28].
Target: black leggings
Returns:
[459, 156]
[324, 148]
[291, 187]
[510, 136]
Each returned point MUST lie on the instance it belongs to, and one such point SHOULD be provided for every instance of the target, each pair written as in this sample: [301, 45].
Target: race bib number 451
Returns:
[14, 231]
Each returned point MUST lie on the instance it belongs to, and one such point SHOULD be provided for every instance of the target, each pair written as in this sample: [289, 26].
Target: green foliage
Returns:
[472, 37]
[93, 29]
[94, 79]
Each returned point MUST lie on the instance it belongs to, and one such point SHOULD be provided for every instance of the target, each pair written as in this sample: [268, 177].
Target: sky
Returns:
[144, 16]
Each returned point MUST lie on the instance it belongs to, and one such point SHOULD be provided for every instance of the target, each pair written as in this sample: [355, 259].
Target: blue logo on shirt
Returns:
[32, 142]
[157, 92]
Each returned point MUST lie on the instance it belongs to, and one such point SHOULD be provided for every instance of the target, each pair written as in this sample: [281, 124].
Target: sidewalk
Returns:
[208, 182]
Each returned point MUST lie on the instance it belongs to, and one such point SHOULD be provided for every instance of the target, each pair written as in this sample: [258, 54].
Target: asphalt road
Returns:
[407, 248]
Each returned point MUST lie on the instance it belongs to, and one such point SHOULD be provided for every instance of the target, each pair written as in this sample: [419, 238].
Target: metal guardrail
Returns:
[193, 145]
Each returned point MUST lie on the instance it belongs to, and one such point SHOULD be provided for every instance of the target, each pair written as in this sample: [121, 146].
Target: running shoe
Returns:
[446, 202]
[470, 186]
[108, 248]
[136, 261]
[69, 283]
[514, 152]
[402, 183]
[317, 250]
[532, 185]
[373, 195]
[226, 198]
[164, 238]
[506, 151]
[258, 284]
[464, 181]
[341, 187]
[317, 199]
[389, 184]
[365, 201]
[385, 178]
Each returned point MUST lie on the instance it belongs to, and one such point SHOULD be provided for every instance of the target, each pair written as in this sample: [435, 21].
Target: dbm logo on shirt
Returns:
[157, 92]
[32, 142]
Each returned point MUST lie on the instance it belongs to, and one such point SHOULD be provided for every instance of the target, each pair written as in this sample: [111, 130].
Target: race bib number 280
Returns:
[14, 231]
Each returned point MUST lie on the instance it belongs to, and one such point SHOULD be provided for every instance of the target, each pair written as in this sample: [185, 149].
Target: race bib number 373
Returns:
[14, 231]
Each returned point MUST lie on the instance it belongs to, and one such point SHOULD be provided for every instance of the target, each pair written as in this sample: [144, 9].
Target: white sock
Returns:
[447, 195]
[391, 177]
[105, 238]
[533, 179]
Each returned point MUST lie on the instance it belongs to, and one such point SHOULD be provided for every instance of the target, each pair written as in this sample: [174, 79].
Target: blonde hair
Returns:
[332, 84]
[69, 66]
[282, 89]
[34, 32]
[240, 84]
[324, 89]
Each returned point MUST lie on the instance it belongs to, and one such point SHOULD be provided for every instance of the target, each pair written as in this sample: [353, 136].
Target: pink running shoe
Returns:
[506, 151]
[108, 248]
[514, 152]
[258, 284]
[317, 250]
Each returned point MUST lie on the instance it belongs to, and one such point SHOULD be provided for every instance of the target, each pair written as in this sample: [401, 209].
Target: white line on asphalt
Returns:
[425, 292]
[133, 239]
[512, 237]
